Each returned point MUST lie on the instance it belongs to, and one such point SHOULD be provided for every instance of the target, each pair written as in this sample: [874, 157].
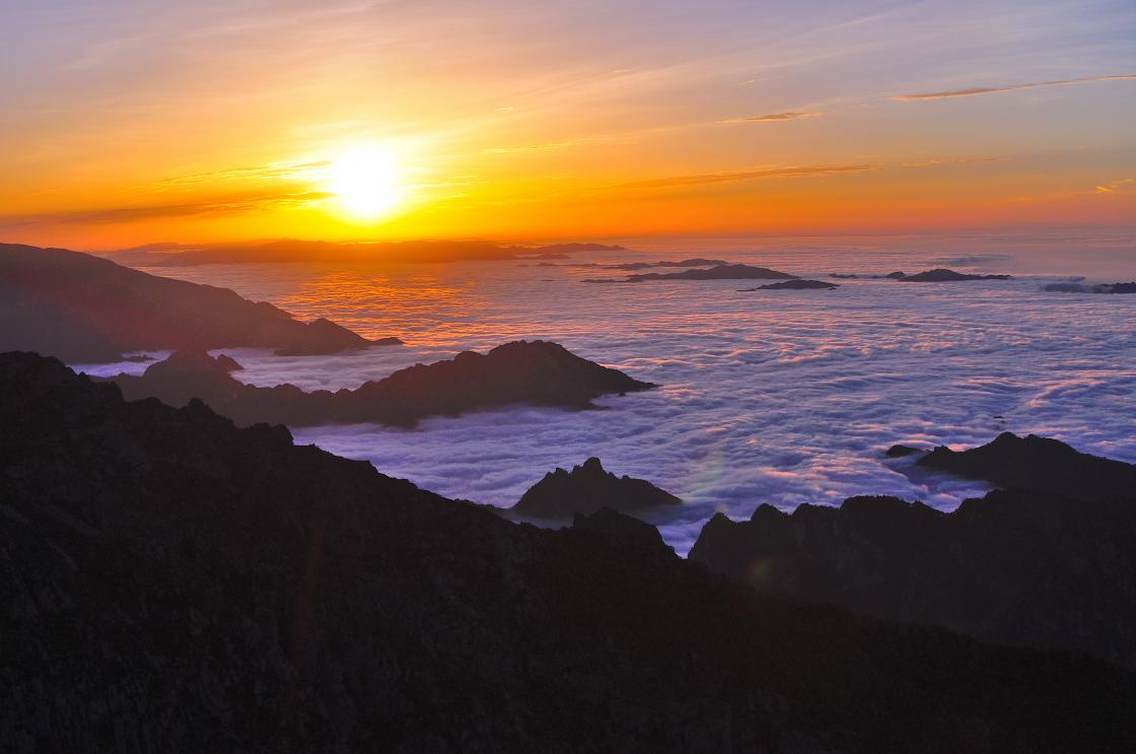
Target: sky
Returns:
[127, 122]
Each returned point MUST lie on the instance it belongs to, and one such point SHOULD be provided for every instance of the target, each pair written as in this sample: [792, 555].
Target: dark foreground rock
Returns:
[795, 285]
[941, 275]
[719, 272]
[589, 488]
[81, 308]
[537, 373]
[1037, 463]
[171, 583]
[1017, 568]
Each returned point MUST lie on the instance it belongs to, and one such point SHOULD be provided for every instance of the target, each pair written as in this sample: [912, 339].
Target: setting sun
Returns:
[366, 181]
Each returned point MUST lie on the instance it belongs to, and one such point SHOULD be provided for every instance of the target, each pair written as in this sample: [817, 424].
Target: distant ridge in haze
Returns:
[285, 250]
[81, 308]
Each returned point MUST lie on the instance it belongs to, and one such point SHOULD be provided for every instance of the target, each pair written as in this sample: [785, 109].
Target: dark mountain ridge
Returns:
[718, 272]
[589, 488]
[82, 308]
[1037, 463]
[379, 252]
[169, 582]
[537, 373]
[1021, 568]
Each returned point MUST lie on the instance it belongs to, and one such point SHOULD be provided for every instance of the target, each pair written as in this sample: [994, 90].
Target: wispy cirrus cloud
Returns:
[802, 171]
[772, 117]
[217, 205]
[1121, 184]
[740, 176]
[979, 90]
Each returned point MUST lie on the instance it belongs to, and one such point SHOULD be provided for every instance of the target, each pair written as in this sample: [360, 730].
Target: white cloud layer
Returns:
[779, 397]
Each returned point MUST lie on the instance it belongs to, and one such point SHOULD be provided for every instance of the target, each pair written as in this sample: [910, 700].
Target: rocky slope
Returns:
[1015, 568]
[81, 308]
[588, 488]
[537, 373]
[171, 583]
[1037, 463]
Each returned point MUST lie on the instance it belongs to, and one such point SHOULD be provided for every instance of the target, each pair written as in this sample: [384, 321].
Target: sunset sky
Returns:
[128, 122]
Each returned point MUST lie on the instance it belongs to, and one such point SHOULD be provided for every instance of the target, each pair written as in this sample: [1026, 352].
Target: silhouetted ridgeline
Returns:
[587, 489]
[795, 285]
[171, 583]
[720, 272]
[1037, 463]
[937, 275]
[1050, 564]
[940, 275]
[1097, 288]
[717, 272]
[81, 308]
[535, 373]
[380, 252]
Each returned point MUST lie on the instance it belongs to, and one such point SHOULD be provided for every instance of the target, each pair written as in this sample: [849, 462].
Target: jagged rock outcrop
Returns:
[1037, 463]
[1020, 568]
[169, 582]
[795, 285]
[81, 308]
[588, 488]
[941, 275]
[901, 451]
[537, 373]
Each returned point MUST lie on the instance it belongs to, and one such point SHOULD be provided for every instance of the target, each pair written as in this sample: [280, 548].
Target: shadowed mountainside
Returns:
[587, 489]
[81, 308]
[1037, 463]
[170, 582]
[538, 373]
[1021, 568]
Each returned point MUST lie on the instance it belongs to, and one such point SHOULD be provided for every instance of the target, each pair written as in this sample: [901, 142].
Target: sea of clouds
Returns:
[781, 397]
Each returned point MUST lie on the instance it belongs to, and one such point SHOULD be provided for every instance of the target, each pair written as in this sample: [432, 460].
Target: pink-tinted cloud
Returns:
[977, 90]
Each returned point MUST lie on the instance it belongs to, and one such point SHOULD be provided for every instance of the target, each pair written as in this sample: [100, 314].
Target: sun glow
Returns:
[367, 181]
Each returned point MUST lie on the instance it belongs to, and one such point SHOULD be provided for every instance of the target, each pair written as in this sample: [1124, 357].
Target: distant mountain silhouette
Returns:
[720, 272]
[947, 276]
[695, 262]
[1024, 568]
[1037, 463]
[85, 309]
[1098, 288]
[387, 252]
[169, 582]
[795, 285]
[857, 276]
[589, 488]
[535, 373]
